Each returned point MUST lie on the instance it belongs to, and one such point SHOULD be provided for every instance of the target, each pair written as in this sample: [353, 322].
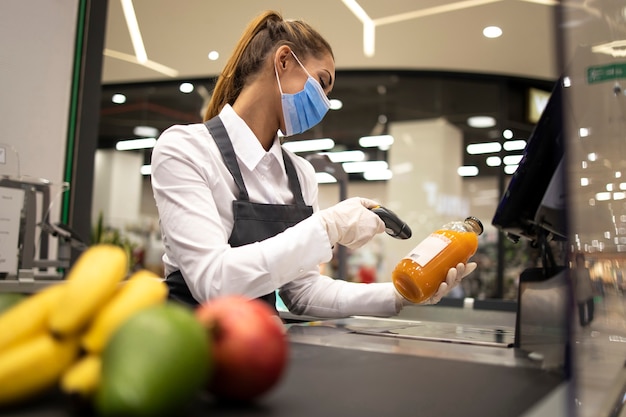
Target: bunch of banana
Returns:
[55, 337]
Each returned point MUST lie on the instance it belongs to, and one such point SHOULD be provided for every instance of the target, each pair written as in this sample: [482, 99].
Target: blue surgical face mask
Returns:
[304, 109]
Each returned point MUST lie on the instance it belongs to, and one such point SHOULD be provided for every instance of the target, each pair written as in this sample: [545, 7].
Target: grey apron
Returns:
[253, 222]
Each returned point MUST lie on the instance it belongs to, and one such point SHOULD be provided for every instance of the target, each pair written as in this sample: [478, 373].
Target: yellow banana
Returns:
[34, 366]
[90, 283]
[83, 377]
[141, 290]
[28, 317]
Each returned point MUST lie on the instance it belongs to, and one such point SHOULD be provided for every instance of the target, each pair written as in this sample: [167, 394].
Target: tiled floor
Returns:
[600, 356]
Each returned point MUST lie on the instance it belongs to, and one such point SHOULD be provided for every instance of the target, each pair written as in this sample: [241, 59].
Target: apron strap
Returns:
[292, 176]
[218, 131]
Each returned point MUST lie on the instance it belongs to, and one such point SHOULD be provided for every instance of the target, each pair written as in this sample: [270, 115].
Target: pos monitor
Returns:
[533, 205]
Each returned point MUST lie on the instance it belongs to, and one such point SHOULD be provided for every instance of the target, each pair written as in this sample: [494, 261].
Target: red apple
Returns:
[250, 347]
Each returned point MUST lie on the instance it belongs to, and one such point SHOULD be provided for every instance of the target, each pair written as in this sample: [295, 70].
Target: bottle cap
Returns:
[475, 224]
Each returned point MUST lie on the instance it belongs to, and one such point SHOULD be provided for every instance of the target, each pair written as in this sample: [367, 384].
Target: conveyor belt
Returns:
[330, 381]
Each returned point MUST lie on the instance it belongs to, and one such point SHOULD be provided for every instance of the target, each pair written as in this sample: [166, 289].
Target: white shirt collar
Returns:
[246, 145]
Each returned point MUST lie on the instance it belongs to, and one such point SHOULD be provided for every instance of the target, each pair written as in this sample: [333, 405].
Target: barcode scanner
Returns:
[393, 225]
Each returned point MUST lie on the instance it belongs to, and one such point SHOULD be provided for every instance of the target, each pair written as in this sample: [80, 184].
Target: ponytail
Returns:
[263, 35]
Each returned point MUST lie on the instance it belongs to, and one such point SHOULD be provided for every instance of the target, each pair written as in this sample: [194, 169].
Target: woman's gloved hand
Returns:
[453, 278]
[350, 223]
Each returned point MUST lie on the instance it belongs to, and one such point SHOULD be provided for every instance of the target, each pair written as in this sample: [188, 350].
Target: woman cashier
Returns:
[238, 213]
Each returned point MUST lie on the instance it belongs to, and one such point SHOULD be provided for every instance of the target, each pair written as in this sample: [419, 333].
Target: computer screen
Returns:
[534, 201]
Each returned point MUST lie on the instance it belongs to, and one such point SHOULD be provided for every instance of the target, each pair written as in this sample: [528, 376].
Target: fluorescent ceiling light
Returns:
[145, 169]
[309, 145]
[481, 122]
[512, 159]
[616, 49]
[133, 29]
[592, 156]
[380, 141]
[583, 132]
[213, 55]
[146, 131]
[127, 145]
[494, 161]
[604, 196]
[155, 66]
[324, 178]
[345, 156]
[514, 145]
[467, 171]
[510, 169]
[492, 32]
[355, 167]
[486, 147]
[585, 182]
[609, 187]
[380, 175]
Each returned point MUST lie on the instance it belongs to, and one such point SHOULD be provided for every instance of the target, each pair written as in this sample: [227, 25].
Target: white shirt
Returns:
[194, 192]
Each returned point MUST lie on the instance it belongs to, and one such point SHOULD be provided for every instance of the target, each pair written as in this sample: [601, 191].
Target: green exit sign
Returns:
[601, 73]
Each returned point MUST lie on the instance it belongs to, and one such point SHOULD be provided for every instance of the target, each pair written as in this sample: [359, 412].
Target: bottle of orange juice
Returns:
[418, 275]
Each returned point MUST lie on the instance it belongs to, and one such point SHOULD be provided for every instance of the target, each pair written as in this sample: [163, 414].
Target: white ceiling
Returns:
[426, 35]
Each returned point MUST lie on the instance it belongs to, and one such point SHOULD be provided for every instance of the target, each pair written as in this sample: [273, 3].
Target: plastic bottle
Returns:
[418, 275]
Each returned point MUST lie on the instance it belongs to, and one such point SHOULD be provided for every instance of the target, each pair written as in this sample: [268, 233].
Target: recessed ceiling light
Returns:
[492, 32]
[214, 55]
[118, 98]
[186, 88]
[335, 104]
[481, 122]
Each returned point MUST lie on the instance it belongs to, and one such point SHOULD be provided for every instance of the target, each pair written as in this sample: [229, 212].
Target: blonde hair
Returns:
[263, 35]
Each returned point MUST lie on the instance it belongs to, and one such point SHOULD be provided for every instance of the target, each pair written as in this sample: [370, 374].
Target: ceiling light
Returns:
[118, 98]
[512, 159]
[214, 55]
[507, 134]
[186, 88]
[380, 175]
[494, 161]
[146, 131]
[584, 182]
[592, 156]
[345, 156]
[324, 178]
[363, 166]
[510, 169]
[145, 169]
[486, 147]
[567, 82]
[481, 122]
[310, 145]
[514, 145]
[380, 141]
[583, 132]
[609, 187]
[133, 29]
[467, 171]
[127, 145]
[492, 32]
[604, 196]
[335, 104]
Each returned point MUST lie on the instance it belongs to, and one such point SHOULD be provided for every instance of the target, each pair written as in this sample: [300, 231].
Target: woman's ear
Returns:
[282, 55]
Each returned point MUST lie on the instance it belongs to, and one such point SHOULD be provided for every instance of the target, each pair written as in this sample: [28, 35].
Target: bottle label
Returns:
[429, 248]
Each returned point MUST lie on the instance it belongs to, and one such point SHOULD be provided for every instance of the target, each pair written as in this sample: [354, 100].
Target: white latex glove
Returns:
[453, 278]
[350, 223]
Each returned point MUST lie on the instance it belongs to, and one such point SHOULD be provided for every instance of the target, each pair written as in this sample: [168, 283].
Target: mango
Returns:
[154, 363]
